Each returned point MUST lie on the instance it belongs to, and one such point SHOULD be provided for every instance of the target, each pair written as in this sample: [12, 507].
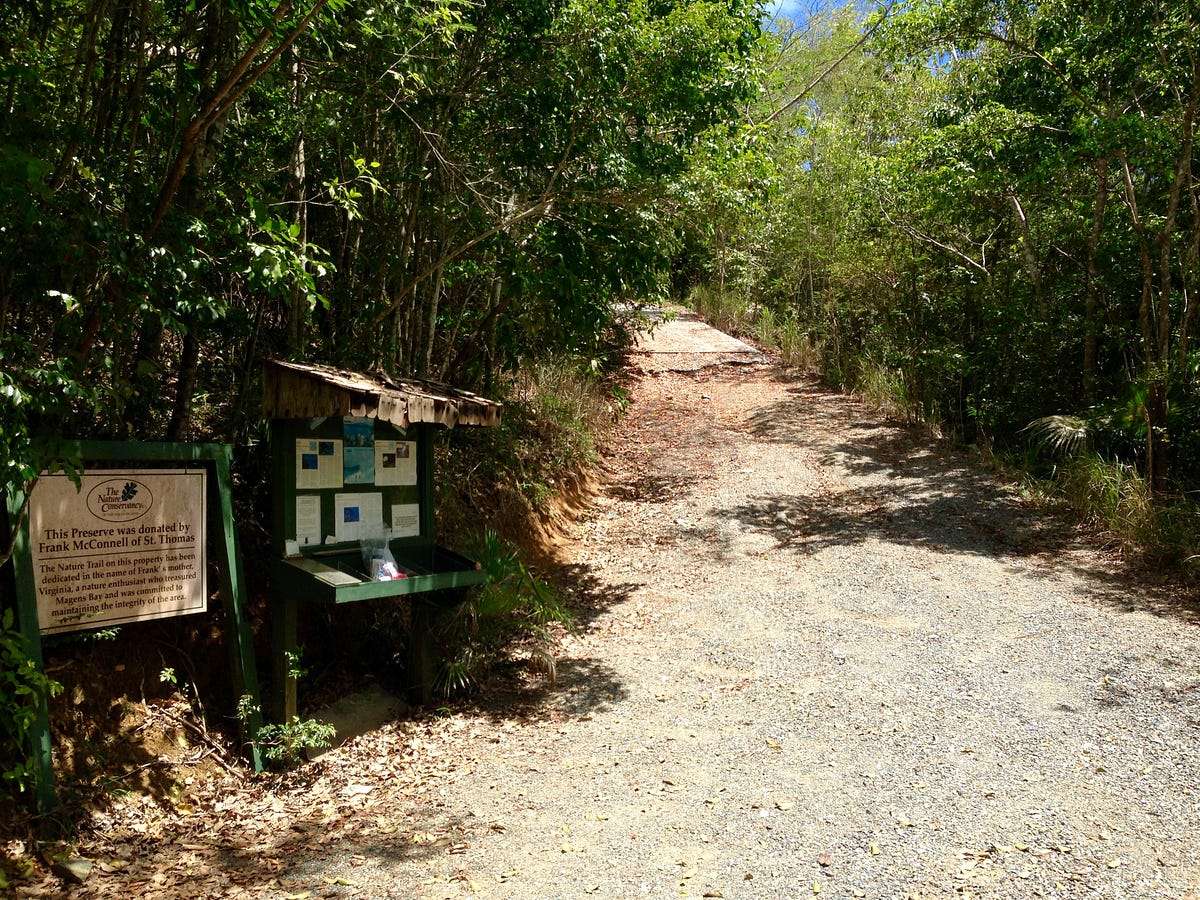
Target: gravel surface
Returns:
[818, 655]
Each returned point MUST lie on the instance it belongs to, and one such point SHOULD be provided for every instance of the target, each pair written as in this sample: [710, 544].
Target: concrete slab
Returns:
[357, 714]
[687, 343]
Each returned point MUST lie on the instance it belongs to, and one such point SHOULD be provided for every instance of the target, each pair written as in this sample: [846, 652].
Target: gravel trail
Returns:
[820, 656]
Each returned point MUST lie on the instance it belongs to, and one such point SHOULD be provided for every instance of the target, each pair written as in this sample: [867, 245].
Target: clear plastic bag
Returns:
[378, 562]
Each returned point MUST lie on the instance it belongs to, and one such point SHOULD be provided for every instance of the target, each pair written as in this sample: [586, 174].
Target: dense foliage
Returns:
[439, 187]
[988, 211]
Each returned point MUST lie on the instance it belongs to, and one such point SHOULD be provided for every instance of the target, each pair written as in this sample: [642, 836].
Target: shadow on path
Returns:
[894, 486]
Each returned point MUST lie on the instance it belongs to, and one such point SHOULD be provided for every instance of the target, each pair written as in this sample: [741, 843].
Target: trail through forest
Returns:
[818, 655]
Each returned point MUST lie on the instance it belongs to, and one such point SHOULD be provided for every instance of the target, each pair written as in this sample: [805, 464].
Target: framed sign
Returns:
[125, 545]
[129, 542]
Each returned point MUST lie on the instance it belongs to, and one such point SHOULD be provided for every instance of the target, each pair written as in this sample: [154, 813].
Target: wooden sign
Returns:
[124, 546]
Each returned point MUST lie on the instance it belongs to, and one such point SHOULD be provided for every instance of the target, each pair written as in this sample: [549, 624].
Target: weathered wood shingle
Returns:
[308, 390]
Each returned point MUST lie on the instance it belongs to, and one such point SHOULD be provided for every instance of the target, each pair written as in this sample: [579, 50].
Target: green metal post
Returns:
[27, 620]
[233, 595]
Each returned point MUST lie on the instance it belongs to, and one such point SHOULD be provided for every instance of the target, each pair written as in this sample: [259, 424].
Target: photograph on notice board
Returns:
[395, 463]
[358, 460]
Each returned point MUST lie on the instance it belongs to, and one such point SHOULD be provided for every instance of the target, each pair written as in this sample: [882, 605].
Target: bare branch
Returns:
[921, 236]
[829, 70]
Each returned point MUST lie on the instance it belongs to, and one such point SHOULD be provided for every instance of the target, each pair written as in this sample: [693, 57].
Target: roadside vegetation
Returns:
[984, 217]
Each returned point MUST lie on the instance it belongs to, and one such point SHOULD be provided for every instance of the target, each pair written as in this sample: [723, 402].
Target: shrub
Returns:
[512, 607]
[720, 309]
[23, 690]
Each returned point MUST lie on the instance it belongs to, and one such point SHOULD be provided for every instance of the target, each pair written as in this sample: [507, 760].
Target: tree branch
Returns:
[541, 206]
[919, 235]
[829, 70]
[224, 96]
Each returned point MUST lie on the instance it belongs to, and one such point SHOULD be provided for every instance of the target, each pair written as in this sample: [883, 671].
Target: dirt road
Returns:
[818, 656]
[821, 656]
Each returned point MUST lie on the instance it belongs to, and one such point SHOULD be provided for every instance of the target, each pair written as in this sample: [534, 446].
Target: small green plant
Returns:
[168, 676]
[284, 744]
[295, 665]
[1065, 436]
[23, 689]
[513, 606]
[766, 328]
[247, 708]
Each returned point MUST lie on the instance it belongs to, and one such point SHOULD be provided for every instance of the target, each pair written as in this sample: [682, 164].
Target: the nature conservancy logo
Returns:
[120, 500]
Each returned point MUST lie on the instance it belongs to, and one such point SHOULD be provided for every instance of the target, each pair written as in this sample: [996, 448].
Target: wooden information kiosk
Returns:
[352, 497]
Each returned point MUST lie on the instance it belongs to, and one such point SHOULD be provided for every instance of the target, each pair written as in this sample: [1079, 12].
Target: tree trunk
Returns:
[185, 384]
[298, 310]
[1031, 262]
[221, 43]
[431, 323]
[1090, 299]
[1157, 436]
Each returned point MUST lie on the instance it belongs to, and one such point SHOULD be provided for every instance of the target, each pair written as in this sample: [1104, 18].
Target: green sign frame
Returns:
[223, 547]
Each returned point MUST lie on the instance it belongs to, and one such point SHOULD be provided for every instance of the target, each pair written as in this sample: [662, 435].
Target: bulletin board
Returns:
[346, 478]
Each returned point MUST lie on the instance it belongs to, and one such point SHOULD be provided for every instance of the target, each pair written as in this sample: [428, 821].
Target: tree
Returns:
[441, 187]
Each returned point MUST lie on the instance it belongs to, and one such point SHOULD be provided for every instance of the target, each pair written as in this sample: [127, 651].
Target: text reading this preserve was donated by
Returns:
[117, 568]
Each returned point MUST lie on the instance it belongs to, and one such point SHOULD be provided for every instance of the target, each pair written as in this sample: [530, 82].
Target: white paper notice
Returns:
[308, 519]
[395, 463]
[406, 520]
[318, 464]
[354, 512]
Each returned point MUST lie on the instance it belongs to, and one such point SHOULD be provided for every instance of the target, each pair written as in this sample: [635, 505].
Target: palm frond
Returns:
[1064, 435]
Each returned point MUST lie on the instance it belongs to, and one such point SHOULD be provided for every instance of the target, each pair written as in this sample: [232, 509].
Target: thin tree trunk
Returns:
[1031, 261]
[457, 317]
[1090, 300]
[431, 323]
[240, 79]
[185, 384]
[1191, 282]
[298, 311]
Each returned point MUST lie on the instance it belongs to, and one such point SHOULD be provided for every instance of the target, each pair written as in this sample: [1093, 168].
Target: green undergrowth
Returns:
[23, 689]
[515, 477]
[1114, 499]
[726, 311]
[555, 414]
[785, 336]
[515, 611]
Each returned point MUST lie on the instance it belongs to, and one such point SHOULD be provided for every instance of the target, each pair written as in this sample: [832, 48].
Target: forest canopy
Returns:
[441, 188]
[987, 214]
